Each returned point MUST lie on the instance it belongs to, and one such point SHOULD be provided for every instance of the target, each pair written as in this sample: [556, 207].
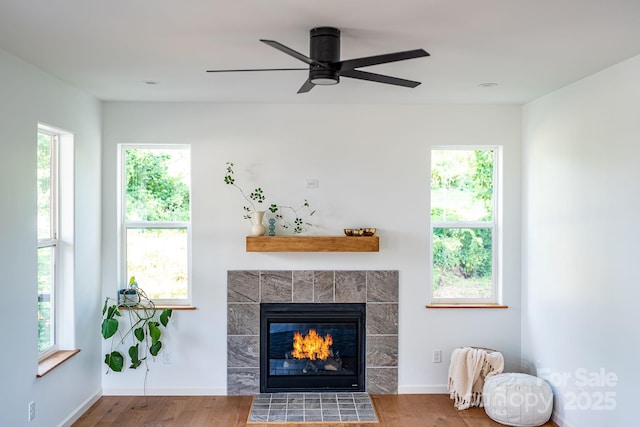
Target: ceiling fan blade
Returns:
[350, 64]
[379, 78]
[257, 69]
[306, 87]
[291, 52]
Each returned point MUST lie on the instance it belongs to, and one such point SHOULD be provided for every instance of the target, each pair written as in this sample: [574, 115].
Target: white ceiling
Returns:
[111, 47]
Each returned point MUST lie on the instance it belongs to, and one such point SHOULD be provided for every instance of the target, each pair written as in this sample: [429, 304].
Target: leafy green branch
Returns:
[298, 224]
[288, 218]
[257, 195]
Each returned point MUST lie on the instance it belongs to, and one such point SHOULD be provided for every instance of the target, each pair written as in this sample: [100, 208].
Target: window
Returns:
[464, 225]
[55, 247]
[155, 215]
[47, 223]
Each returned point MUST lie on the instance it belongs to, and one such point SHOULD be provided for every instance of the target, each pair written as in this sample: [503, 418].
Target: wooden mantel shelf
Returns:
[313, 244]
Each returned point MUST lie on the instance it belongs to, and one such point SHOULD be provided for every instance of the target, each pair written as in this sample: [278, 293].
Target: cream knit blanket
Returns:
[467, 372]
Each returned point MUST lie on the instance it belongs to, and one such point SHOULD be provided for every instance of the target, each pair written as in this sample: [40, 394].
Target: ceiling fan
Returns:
[325, 66]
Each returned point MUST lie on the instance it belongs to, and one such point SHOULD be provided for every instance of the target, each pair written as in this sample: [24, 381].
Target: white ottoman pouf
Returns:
[517, 399]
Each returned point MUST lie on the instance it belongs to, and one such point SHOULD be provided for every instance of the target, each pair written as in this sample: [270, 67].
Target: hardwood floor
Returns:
[404, 410]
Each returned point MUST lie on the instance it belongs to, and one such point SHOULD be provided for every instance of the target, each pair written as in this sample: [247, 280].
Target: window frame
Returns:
[125, 225]
[495, 225]
[53, 240]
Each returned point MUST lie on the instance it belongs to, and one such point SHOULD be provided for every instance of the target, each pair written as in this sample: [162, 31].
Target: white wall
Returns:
[30, 96]
[581, 236]
[372, 163]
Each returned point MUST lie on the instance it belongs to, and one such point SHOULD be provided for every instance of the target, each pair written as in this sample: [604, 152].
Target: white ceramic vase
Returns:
[257, 228]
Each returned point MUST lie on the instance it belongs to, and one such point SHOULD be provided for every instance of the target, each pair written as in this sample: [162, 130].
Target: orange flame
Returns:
[311, 346]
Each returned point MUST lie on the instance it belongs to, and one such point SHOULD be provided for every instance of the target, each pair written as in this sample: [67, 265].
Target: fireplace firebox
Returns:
[312, 347]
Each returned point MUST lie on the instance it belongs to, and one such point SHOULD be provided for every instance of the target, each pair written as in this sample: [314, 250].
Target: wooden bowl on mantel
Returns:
[359, 231]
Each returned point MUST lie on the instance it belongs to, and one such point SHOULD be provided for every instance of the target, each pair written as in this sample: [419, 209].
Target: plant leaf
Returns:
[155, 348]
[164, 316]
[133, 354]
[154, 332]
[109, 328]
[114, 361]
[139, 333]
[112, 311]
[104, 308]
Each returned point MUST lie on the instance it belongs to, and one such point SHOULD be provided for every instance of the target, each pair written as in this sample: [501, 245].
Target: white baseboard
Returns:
[169, 391]
[220, 391]
[559, 420]
[423, 389]
[414, 389]
[84, 406]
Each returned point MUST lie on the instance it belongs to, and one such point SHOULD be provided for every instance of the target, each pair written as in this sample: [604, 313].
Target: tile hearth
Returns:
[312, 407]
[246, 289]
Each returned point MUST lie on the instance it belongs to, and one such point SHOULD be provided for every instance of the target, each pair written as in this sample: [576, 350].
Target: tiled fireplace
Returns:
[247, 289]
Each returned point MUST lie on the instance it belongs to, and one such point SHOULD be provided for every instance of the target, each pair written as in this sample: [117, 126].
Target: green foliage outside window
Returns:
[44, 185]
[464, 251]
[46, 238]
[156, 190]
[462, 191]
[482, 178]
[45, 309]
[157, 197]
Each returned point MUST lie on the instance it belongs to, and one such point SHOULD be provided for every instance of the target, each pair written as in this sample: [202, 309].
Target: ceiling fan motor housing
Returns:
[324, 46]
[325, 66]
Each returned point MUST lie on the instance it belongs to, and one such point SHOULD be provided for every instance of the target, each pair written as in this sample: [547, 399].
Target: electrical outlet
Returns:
[437, 356]
[311, 183]
[32, 410]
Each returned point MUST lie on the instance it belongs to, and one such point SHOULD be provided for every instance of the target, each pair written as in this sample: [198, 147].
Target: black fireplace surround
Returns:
[341, 369]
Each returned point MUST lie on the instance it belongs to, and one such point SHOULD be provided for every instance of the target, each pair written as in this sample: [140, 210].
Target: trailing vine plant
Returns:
[144, 328]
